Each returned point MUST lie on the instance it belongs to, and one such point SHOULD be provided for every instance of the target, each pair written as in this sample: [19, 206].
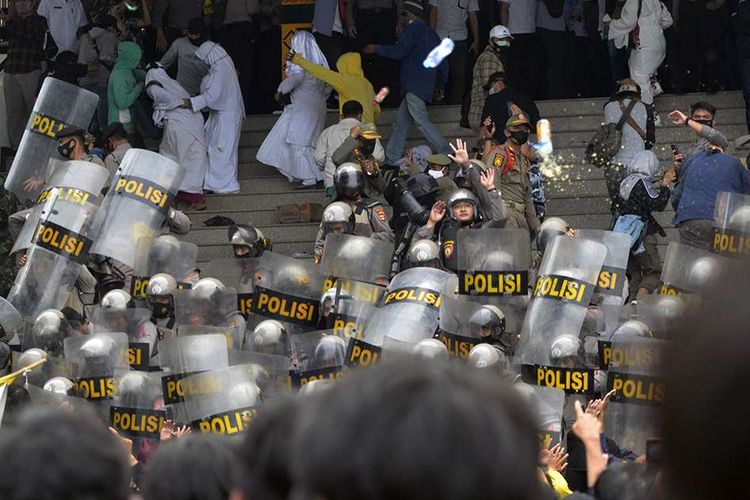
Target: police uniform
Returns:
[8, 205]
[447, 185]
[370, 220]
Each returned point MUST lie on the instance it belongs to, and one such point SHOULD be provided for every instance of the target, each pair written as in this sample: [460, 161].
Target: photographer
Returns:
[363, 148]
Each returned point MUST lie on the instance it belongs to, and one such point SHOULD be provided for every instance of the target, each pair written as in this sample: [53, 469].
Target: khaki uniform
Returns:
[514, 186]
[370, 220]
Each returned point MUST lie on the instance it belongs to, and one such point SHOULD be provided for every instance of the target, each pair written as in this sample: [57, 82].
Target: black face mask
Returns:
[707, 123]
[66, 149]
[197, 41]
[519, 137]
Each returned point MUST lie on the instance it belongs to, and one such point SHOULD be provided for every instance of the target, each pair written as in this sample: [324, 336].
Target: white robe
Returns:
[221, 95]
[184, 139]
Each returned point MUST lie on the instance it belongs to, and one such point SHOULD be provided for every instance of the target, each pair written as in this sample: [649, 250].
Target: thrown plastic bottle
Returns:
[381, 95]
[436, 55]
[544, 136]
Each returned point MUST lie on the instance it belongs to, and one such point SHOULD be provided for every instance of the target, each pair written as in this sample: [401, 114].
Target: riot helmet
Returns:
[632, 328]
[162, 252]
[329, 352]
[327, 301]
[703, 272]
[424, 253]
[740, 219]
[349, 181]
[97, 353]
[457, 206]
[314, 386]
[430, 349]
[160, 294]
[36, 376]
[117, 300]
[551, 227]
[49, 330]
[269, 337]
[134, 389]
[243, 395]
[248, 241]
[6, 356]
[490, 321]
[564, 351]
[497, 260]
[61, 386]
[338, 218]
[293, 278]
[207, 287]
[487, 356]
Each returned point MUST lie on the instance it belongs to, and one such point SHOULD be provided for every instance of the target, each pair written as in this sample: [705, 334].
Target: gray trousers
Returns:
[20, 94]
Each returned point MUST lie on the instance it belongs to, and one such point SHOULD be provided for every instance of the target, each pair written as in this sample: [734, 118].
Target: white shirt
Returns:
[544, 20]
[452, 16]
[64, 17]
[338, 27]
[521, 16]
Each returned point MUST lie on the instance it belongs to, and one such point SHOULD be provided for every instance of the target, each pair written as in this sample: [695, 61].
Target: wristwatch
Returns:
[687, 122]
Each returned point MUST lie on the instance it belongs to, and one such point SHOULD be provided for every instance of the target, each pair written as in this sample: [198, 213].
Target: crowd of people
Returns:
[449, 338]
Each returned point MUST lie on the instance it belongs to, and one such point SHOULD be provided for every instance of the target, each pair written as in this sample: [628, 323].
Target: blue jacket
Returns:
[702, 177]
[411, 48]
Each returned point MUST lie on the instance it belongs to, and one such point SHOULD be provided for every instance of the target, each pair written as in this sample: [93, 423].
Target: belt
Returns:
[519, 207]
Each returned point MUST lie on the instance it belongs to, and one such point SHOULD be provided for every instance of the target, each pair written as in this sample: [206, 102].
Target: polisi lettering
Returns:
[413, 294]
[138, 422]
[47, 126]
[570, 380]
[323, 374]
[286, 307]
[622, 356]
[65, 194]
[143, 190]
[245, 303]
[345, 326]
[457, 346]
[361, 292]
[561, 288]
[95, 388]
[176, 386]
[138, 355]
[636, 389]
[731, 243]
[493, 283]
[228, 423]
[361, 353]
[667, 289]
[61, 241]
[609, 282]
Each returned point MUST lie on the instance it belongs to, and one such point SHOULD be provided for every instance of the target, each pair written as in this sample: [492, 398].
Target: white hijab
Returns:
[167, 93]
[304, 44]
[220, 87]
[643, 167]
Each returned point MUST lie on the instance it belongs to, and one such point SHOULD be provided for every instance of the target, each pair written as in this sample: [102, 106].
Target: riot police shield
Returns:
[732, 225]
[58, 106]
[356, 258]
[272, 371]
[236, 273]
[47, 332]
[408, 313]
[62, 241]
[662, 312]
[137, 204]
[58, 392]
[76, 182]
[95, 361]
[317, 356]
[201, 308]
[547, 405]
[223, 401]
[549, 352]
[137, 409]
[182, 357]
[288, 290]
[136, 323]
[165, 254]
[11, 323]
[493, 268]
[53, 367]
[354, 304]
[459, 329]
[635, 375]
[688, 270]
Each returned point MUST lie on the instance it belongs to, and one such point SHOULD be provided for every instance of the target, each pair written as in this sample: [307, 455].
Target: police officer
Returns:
[49, 331]
[117, 302]
[160, 292]
[370, 219]
[248, 241]
[71, 145]
[425, 253]
[512, 161]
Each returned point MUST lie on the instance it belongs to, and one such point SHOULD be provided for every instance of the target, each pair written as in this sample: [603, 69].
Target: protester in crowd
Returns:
[419, 85]
[349, 81]
[221, 96]
[644, 21]
[114, 141]
[328, 26]
[449, 19]
[642, 193]
[25, 32]
[97, 49]
[701, 121]
[67, 68]
[554, 44]
[239, 34]
[125, 86]
[415, 159]
[133, 23]
[497, 107]
[523, 55]
[704, 175]
[83, 458]
[184, 139]
[334, 136]
[64, 17]
[499, 461]
[171, 17]
[633, 134]
[196, 466]
[489, 62]
[190, 69]
[290, 144]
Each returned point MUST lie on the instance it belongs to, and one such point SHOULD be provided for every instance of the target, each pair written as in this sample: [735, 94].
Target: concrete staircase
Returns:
[579, 195]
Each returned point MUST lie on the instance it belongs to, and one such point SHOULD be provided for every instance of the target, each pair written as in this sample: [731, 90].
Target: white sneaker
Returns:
[657, 120]
[656, 88]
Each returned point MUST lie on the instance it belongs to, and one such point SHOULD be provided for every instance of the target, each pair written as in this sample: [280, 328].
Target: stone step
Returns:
[291, 233]
[210, 252]
[270, 201]
[255, 217]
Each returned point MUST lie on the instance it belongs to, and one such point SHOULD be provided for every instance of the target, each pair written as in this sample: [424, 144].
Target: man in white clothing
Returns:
[334, 136]
[221, 96]
[64, 17]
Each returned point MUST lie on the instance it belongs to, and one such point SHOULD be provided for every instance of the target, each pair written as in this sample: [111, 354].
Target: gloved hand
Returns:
[330, 191]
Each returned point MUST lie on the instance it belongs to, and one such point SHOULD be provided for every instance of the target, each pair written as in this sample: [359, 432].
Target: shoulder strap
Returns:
[626, 115]
[640, 6]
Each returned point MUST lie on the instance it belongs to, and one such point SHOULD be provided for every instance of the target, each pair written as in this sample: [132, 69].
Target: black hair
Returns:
[266, 452]
[351, 109]
[195, 466]
[625, 481]
[106, 21]
[417, 430]
[55, 453]
[706, 106]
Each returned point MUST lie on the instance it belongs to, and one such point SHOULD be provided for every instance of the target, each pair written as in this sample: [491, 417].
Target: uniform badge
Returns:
[448, 248]
[498, 161]
[381, 214]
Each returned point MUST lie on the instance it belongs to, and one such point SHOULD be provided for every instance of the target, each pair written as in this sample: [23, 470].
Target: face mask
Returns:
[197, 41]
[492, 91]
[436, 174]
[66, 150]
[519, 137]
[707, 123]
[502, 43]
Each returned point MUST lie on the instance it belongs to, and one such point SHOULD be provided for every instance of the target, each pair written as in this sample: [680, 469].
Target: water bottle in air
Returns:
[436, 55]
[544, 136]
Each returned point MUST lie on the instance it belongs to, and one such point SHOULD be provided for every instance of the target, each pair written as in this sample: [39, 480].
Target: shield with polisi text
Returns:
[731, 225]
[137, 409]
[165, 254]
[137, 203]
[550, 352]
[688, 269]
[238, 274]
[136, 323]
[356, 258]
[96, 360]
[59, 105]
[317, 356]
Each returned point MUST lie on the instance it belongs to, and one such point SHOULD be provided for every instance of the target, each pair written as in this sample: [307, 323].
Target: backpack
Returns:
[607, 140]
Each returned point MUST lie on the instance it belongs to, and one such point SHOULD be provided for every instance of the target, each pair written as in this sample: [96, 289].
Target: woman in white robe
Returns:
[184, 139]
[290, 144]
[221, 96]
